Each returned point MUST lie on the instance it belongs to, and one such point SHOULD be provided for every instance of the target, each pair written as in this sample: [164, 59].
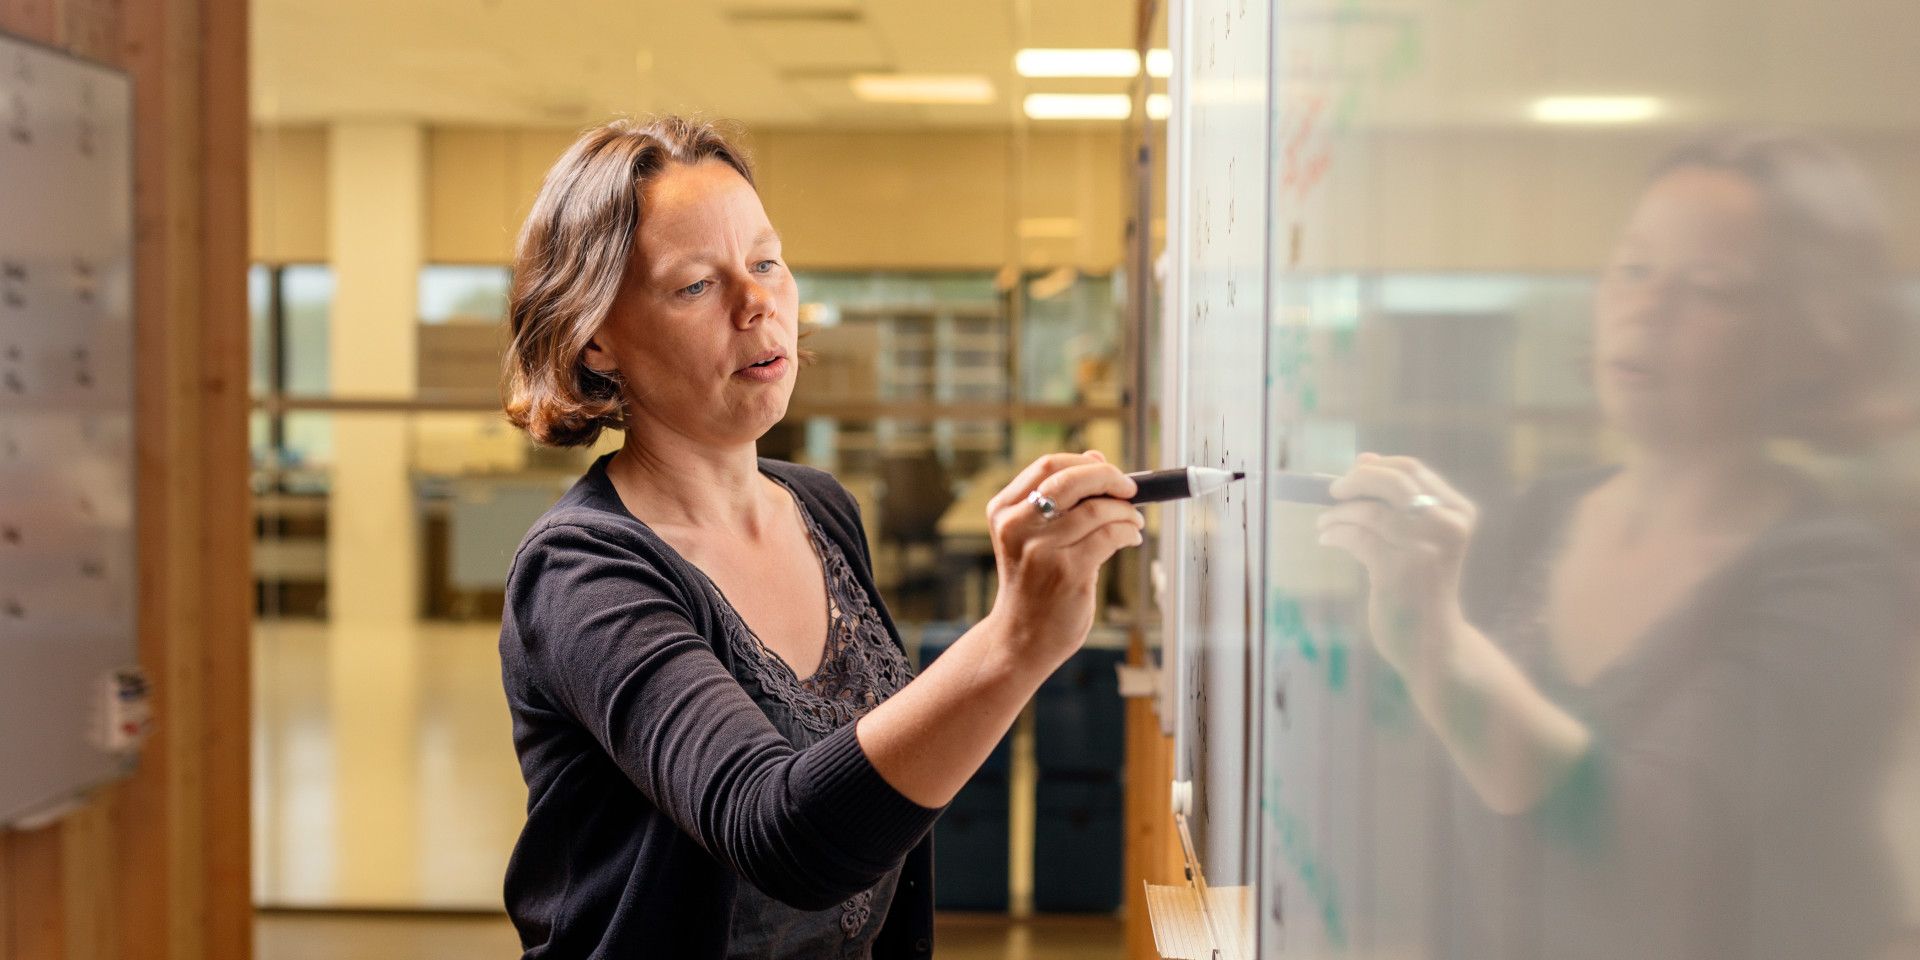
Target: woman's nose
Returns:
[756, 304]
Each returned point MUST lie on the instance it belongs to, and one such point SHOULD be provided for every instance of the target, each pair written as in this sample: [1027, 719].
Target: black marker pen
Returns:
[1160, 485]
[1312, 488]
[1315, 489]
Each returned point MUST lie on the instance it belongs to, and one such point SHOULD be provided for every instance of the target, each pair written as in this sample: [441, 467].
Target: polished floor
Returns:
[363, 936]
[384, 767]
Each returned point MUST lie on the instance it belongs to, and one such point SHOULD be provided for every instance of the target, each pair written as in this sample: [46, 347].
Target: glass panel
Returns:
[1610, 651]
[260, 373]
[1070, 339]
[464, 294]
[904, 338]
[892, 288]
[306, 292]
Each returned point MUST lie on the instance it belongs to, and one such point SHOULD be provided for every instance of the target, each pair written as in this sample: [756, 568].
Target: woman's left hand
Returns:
[1410, 529]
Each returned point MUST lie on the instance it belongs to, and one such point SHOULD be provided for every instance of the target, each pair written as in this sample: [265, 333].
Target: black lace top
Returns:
[659, 794]
[860, 667]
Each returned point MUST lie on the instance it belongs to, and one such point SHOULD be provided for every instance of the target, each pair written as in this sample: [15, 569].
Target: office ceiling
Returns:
[787, 63]
[782, 63]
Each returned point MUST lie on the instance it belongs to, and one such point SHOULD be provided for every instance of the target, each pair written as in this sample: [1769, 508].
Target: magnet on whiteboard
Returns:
[1182, 798]
[125, 713]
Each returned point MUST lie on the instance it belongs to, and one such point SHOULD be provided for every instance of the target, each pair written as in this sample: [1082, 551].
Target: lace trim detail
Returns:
[861, 665]
[856, 913]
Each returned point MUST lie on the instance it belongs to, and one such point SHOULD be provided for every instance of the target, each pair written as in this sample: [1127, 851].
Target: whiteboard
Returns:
[67, 551]
[1418, 227]
[1221, 296]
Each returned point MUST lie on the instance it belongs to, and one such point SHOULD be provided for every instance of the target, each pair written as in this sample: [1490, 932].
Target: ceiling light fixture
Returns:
[922, 88]
[1076, 63]
[1594, 110]
[1110, 62]
[1078, 106]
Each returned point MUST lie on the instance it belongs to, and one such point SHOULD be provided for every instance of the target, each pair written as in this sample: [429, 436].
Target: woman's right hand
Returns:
[1410, 528]
[1048, 568]
[927, 739]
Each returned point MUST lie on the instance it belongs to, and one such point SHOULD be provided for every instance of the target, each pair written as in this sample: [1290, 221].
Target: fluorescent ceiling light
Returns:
[1158, 106]
[1078, 106]
[922, 88]
[1090, 62]
[1595, 109]
[1077, 63]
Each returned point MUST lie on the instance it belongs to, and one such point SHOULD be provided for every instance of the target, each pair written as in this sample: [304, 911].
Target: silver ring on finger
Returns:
[1421, 503]
[1043, 505]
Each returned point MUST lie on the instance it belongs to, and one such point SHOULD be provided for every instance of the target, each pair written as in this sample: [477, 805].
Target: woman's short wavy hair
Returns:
[568, 265]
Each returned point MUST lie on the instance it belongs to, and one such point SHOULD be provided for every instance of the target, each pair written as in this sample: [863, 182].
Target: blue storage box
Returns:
[970, 848]
[1079, 720]
[1079, 842]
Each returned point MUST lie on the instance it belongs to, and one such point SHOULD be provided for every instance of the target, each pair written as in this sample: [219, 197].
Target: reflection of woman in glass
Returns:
[1673, 681]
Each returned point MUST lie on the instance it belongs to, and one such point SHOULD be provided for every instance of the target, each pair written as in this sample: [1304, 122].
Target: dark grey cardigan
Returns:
[654, 783]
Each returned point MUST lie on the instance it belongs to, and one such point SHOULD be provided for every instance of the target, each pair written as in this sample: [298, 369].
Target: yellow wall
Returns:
[842, 200]
[288, 212]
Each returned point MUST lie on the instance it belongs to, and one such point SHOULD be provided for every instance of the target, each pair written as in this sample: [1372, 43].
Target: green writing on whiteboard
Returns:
[1289, 632]
[1315, 874]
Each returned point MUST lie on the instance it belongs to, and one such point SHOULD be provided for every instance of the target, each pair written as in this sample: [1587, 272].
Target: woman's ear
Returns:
[599, 359]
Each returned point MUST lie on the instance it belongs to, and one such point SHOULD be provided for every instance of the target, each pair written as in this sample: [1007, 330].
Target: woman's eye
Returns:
[696, 288]
[766, 266]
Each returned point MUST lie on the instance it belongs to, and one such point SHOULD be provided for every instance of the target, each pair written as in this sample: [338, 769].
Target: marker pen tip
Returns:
[1239, 475]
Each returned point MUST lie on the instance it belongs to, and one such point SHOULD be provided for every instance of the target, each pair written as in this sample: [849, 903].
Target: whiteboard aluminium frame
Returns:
[1174, 352]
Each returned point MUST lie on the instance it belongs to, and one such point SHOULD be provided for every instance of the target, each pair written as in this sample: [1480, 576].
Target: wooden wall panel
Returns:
[33, 19]
[1152, 847]
[36, 910]
[224, 523]
[157, 866]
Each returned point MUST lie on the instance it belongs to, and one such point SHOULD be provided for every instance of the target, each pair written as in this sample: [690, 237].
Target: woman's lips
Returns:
[766, 372]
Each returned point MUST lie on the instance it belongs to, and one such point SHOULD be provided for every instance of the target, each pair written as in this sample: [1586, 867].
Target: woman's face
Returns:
[703, 332]
[1678, 314]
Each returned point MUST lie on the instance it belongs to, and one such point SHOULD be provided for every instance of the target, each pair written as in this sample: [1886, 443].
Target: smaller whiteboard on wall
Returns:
[67, 543]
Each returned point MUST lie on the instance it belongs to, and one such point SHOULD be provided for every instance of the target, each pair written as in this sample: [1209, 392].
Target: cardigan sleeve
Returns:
[608, 641]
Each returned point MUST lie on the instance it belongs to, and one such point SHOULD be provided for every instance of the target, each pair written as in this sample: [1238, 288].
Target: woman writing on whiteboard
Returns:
[1674, 680]
[725, 752]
